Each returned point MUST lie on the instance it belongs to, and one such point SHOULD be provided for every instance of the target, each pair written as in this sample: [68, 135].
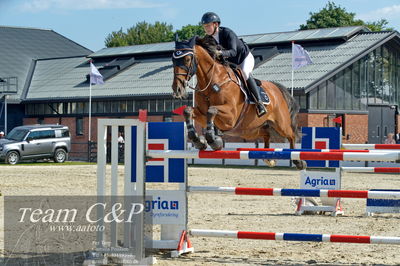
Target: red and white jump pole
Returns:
[296, 237]
[372, 146]
[371, 169]
[289, 192]
[284, 155]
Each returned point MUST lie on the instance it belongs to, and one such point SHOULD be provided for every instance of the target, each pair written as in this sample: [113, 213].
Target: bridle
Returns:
[177, 60]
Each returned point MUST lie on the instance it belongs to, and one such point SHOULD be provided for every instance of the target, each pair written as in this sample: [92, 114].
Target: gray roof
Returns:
[326, 60]
[66, 78]
[19, 46]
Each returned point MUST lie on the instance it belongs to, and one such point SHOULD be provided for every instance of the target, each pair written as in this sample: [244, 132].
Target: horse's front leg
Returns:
[199, 142]
[213, 140]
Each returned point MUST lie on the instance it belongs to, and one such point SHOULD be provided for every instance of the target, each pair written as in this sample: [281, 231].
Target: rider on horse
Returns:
[235, 51]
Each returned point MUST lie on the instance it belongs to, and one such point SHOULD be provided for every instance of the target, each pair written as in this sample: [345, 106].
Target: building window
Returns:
[66, 108]
[107, 107]
[72, 108]
[160, 105]
[302, 101]
[122, 106]
[330, 94]
[314, 98]
[355, 84]
[153, 105]
[114, 107]
[348, 95]
[130, 106]
[168, 105]
[79, 126]
[30, 109]
[141, 104]
[39, 109]
[322, 96]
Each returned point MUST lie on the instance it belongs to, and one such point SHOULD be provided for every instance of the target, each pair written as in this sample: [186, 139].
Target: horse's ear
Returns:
[192, 41]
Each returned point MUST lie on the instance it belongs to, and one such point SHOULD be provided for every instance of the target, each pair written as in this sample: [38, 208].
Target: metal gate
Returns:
[381, 121]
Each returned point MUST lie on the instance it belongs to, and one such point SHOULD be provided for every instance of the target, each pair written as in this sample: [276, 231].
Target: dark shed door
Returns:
[381, 121]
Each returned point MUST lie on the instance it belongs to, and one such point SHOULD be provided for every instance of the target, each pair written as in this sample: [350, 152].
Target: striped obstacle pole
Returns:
[296, 237]
[372, 146]
[310, 150]
[245, 155]
[289, 192]
[371, 169]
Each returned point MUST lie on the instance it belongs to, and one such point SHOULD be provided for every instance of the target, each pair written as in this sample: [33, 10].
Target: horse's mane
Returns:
[211, 46]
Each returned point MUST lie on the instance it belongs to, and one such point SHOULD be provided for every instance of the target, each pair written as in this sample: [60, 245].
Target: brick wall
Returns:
[398, 123]
[356, 128]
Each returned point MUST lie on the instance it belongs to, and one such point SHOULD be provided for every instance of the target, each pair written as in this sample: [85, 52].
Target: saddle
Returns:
[248, 95]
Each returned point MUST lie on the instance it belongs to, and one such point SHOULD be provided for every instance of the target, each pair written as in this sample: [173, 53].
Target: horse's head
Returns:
[185, 67]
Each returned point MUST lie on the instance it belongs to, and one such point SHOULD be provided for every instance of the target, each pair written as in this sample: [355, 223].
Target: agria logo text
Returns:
[159, 204]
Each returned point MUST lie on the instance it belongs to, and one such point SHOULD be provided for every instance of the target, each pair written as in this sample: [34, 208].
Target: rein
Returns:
[191, 70]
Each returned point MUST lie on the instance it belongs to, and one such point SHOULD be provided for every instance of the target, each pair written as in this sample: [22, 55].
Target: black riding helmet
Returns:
[210, 17]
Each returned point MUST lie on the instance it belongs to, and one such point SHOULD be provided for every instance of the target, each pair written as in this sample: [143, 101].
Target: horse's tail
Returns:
[293, 107]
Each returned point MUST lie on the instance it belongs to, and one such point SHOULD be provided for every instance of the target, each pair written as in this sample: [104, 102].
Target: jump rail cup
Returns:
[296, 237]
[284, 155]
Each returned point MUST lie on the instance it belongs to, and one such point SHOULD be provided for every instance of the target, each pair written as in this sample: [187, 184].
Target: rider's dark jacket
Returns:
[235, 50]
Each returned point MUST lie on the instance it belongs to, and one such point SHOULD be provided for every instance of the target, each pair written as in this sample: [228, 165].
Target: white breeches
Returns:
[247, 65]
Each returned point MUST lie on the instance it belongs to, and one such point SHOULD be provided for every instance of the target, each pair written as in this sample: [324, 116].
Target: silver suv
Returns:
[36, 142]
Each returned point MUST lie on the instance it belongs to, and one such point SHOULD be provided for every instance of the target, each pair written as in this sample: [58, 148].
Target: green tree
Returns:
[188, 31]
[141, 33]
[378, 25]
[116, 38]
[336, 16]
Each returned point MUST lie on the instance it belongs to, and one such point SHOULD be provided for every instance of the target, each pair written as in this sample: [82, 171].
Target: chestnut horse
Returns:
[220, 105]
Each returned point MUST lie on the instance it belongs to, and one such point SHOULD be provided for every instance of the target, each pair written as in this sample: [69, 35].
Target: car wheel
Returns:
[12, 157]
[60, 156]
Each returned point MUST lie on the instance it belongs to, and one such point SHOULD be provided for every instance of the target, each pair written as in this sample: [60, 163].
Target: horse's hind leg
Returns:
[267, 136]
[213, 140]
[300, 165]
[199, 142]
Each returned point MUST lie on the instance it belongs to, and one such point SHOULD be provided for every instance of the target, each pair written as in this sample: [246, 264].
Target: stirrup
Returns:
[261, 110]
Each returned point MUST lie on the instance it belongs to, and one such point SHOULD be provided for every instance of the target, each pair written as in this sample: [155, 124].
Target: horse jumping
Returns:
[220, 105]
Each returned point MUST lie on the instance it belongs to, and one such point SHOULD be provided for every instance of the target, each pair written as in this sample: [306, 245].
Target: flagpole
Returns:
[292, 70]
[292, 80]
[90, 110]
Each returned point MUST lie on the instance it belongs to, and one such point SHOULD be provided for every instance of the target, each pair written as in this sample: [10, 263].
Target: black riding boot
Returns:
[251, 83]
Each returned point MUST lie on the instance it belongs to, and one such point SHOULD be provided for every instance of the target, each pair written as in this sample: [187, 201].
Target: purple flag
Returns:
[95, 76]
[300, 57]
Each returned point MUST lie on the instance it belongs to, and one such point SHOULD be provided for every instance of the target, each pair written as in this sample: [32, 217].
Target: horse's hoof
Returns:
[270, 163]
[217, 144]
[300, 165]
[201, 144]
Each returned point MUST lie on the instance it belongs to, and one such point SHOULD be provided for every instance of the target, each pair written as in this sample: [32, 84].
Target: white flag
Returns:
[95, 76]
[300, 56]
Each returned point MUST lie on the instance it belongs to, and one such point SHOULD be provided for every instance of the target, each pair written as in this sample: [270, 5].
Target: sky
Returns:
[88, 22]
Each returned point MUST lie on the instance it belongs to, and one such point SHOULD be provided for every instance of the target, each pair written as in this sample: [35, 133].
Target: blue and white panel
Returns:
[383, 205]
[321, 138]
[162, 136]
